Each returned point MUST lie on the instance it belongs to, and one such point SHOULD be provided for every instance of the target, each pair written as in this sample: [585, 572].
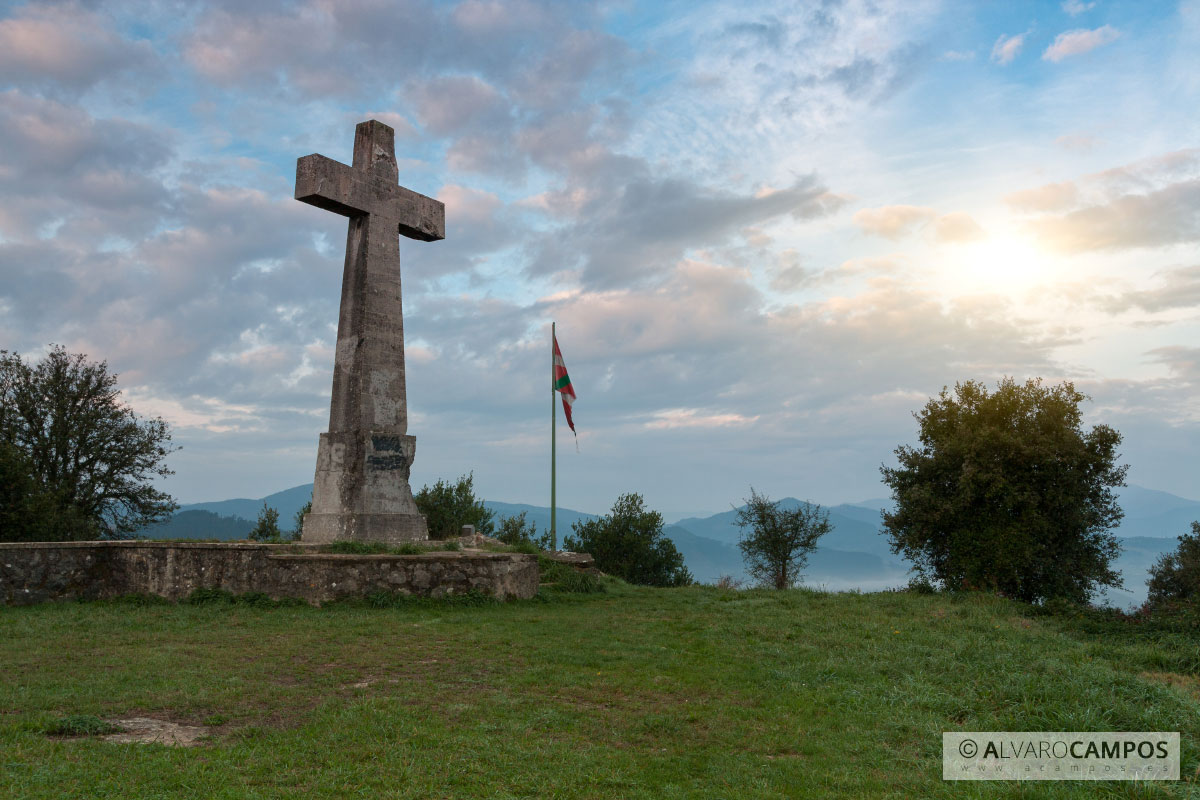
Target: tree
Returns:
[448, 507]
[629, 542]
[25, 510]
[779, 540]
[1008, 493]
[515, 530]
[87, 459]
[1176, 576]
[266, 528]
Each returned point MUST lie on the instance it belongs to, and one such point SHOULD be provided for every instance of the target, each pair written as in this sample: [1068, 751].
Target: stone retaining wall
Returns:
[33, 572]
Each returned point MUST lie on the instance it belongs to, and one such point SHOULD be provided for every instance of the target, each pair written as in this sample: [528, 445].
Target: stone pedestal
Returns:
[361, 490]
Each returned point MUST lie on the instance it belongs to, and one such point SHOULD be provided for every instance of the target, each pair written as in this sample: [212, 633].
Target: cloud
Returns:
[1178, 288]
[1050, 197]
[958, 55]
[451, 103]
[641, 224]
[1006, 48]
[1183, 362]
[1073, 43]
[65, 47]
[1153, 202]
[1167, 216]
[957, 226]
[1077, 7]
[893, 222]
[93, 178]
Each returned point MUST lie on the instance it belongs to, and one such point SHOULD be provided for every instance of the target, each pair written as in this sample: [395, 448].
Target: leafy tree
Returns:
[266, 528]
[86, 458]
[629, 542]
[1176, 576]
[779, 540]
[1007, 492]
[448, 507]
[515, 530]
[25, 510]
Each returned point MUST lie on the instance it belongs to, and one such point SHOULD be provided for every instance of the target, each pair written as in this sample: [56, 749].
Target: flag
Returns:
[562, 384]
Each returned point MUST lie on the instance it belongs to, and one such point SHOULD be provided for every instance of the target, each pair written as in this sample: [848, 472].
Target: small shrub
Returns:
[208, 596]
[81, 725]
[564, 578]
[629, 542]
[921, 585]
[515, 531]
[353, 548]
[1175, 577]
[298, 520]
[447, 507]
[729, 583]
[266, 529]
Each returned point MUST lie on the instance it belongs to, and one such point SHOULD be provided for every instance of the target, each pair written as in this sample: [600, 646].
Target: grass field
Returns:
[653, 693]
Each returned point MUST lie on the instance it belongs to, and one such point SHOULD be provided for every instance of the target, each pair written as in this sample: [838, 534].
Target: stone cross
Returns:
[361, 488]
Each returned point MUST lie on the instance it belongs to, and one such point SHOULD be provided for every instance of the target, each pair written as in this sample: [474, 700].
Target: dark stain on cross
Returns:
[361, 488]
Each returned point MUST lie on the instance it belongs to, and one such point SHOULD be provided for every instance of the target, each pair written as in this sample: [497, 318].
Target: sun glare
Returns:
[998, 264]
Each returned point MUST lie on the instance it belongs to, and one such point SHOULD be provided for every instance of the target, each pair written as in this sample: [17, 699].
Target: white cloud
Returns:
[892, 222]
[1077, 42]
[1006, 48]
[1077, 7]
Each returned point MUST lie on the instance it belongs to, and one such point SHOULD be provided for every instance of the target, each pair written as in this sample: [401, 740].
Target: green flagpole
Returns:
[553, 454]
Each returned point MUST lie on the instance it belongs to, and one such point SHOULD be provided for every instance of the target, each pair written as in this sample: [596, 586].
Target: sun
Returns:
[1001, 263]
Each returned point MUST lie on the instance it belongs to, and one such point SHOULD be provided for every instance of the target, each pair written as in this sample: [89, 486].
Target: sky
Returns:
[768, 232]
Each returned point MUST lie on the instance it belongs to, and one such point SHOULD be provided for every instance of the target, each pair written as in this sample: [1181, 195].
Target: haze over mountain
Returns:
[853, 555]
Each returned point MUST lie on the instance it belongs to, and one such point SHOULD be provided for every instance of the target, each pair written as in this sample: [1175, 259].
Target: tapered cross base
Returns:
[371, 504]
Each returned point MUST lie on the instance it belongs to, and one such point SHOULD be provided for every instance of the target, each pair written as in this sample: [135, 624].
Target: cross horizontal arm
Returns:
[344, 190]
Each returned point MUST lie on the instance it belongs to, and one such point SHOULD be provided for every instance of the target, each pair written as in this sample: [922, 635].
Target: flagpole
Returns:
[553, 448]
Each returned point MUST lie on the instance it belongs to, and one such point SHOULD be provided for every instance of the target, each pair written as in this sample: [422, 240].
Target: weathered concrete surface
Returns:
[361, 489]
[34, 572]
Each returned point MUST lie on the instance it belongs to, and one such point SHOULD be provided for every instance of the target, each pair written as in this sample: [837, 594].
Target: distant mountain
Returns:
[199, 525]
[1150, 513]
[855, 554]
[287, 503]
[854, 529]
[539, 516]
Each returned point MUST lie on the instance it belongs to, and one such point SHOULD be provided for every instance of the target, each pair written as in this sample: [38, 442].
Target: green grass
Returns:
[81, 725]
[626, 693]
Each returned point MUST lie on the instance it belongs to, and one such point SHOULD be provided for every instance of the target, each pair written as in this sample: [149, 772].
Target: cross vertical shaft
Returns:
[361, 488]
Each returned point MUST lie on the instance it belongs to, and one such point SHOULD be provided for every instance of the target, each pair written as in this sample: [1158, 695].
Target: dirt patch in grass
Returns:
[146, 730]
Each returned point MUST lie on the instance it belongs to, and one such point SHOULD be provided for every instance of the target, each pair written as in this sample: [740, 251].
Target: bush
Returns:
[298, 521]
[519, 533]
[449, 507]
[776, 542]
[1007, 493]
[266, 529]
[629, 543]
[1176, 576]
[564, 578]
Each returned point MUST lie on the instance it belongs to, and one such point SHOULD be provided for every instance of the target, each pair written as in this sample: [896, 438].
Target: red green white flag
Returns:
[562, 384]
